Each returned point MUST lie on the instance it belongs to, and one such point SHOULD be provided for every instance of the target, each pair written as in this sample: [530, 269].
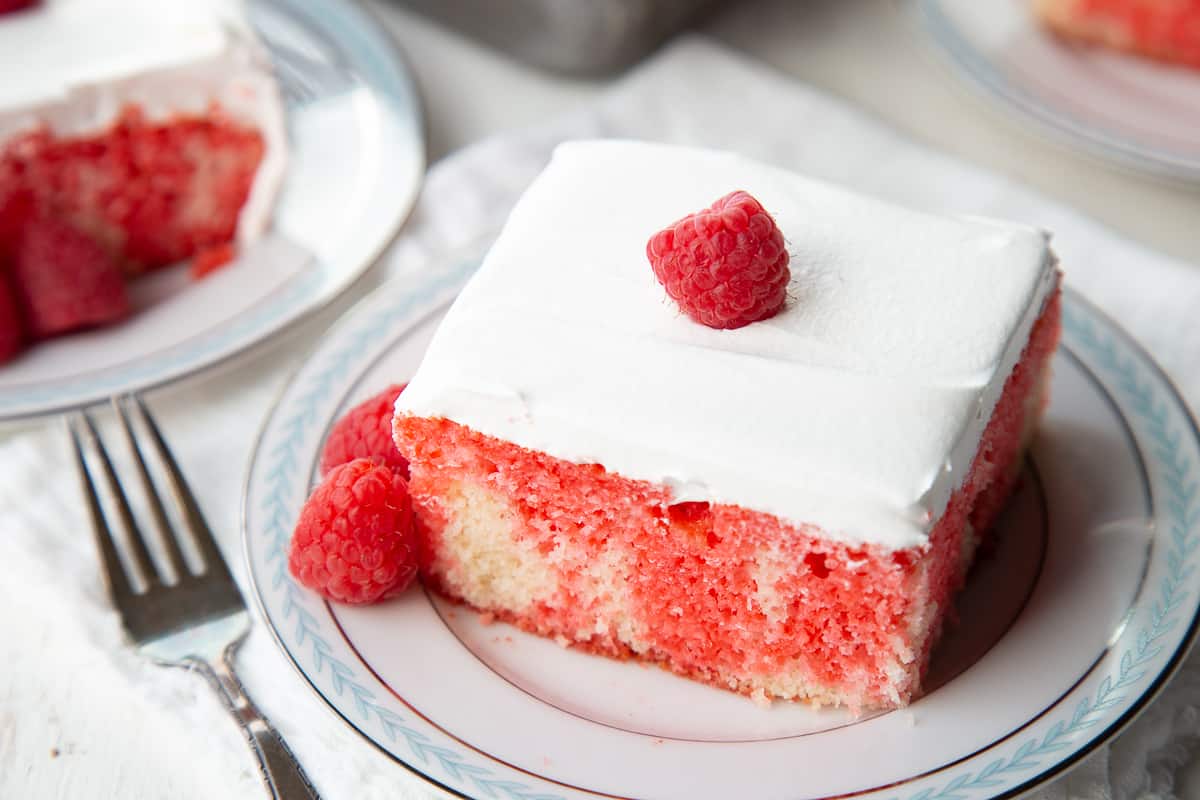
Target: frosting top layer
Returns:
[858, 408]
[61, 45]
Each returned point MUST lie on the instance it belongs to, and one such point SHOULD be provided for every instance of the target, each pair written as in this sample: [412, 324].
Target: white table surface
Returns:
[865, 51]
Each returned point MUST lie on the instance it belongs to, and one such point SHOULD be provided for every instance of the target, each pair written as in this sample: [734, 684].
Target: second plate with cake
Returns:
[1136, 112]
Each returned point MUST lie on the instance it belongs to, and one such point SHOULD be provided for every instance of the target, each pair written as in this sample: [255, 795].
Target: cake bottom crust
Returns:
[722, 594]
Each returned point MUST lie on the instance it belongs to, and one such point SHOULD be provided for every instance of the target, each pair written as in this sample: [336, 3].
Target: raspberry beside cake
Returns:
[784, 509]
[155, 128]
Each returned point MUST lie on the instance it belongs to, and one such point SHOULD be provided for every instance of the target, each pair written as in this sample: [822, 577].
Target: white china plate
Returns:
[1068, 628]
[1124, 108]
[356, 157]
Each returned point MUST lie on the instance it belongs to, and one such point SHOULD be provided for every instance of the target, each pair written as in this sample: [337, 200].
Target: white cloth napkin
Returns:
[82, 716]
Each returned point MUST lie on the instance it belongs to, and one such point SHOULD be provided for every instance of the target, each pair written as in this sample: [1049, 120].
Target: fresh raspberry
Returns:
[64, 280]
[12, 330]
[725, 266]
[211, 259]
[16, 5]
[366, 432]
[16, 209]
[354, 540]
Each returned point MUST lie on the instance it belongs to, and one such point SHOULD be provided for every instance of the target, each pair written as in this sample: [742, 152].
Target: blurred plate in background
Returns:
[356, 159]
[1124, 108]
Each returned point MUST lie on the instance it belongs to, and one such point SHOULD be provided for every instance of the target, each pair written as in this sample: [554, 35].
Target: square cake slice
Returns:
[154, 129]
[784, 509]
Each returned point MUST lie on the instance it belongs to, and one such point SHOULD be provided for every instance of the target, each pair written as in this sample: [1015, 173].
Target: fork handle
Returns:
[281, 772]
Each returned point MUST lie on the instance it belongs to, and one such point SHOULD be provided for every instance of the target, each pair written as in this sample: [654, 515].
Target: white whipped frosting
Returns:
[858, 408]
[73, 65]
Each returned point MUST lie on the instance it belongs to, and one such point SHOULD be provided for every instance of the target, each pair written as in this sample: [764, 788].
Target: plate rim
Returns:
[439, 300]
[1188, 642]
[975, 70]
[399, 71]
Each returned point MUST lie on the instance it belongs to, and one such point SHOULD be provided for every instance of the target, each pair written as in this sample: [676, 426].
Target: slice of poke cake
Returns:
[703, 412]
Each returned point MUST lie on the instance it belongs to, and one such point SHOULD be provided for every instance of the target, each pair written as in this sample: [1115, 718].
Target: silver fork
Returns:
[194, 619]
[303, 79]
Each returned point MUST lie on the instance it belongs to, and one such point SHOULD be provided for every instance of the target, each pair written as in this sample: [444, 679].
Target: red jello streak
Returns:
[1168, 30]
[150, 192]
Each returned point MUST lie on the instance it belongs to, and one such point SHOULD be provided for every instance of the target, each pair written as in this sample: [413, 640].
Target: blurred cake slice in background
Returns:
[133, 134]
[1168, 30]
[154, 129]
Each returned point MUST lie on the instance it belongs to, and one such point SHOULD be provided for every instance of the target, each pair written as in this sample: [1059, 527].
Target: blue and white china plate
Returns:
[356, 160]
[1123, 108]
[1068, 628]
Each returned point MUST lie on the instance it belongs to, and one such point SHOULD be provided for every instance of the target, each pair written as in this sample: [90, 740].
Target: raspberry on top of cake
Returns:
[857, 407]
[784, 508]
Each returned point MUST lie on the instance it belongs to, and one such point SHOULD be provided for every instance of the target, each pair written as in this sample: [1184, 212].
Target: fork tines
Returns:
[139, 575]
